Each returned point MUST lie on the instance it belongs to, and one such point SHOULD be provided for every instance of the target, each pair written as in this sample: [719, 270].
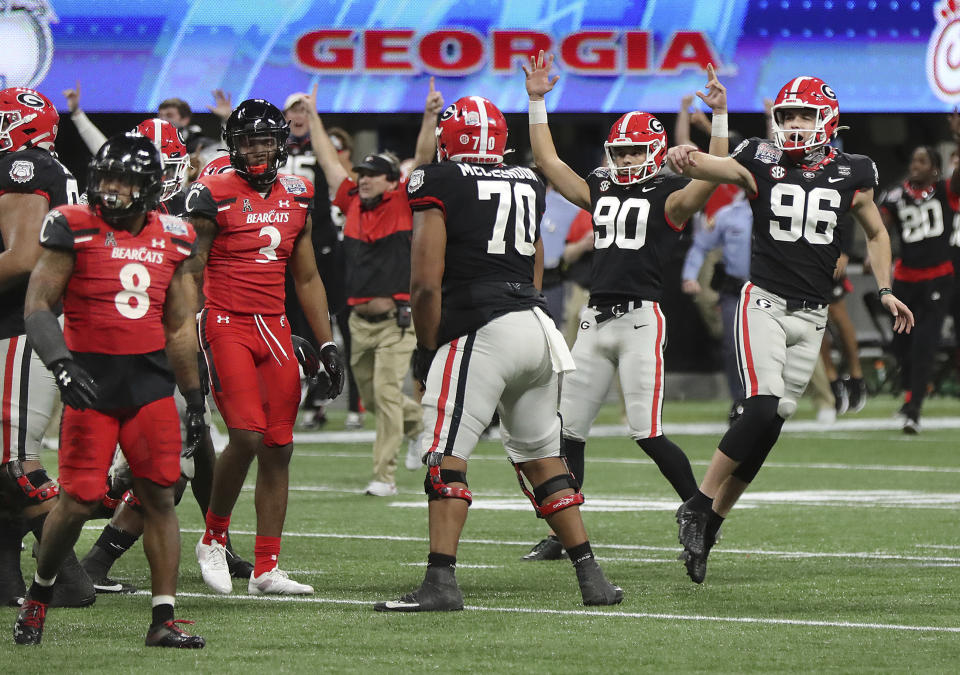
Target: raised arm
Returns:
[92, 137]
[564, 179]
[427, 138]
[326, 154]
[684, 203]
[878, 250]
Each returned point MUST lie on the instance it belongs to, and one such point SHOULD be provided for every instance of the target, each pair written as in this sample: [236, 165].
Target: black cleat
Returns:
[856, 393]
[594, 587]
[108, 585]
[696, 566]
[841, 399]
[547, 549]
[28, 628]
[911, 425]
[239, 568]
[438, 593]
[168, 634]
[73, 587]
[693, 529]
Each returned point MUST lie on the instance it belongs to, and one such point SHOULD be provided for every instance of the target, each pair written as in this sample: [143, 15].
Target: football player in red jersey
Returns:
[128, 336]
[32, 182]
[799, 188]
[485, 345]
[638, 216]
[254, 223]
[126, 521]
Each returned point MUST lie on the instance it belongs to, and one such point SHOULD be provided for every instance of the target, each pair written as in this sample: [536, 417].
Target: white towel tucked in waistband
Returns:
[559, 353]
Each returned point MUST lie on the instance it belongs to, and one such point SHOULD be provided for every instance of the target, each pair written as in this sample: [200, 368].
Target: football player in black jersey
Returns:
[32, 182]
[921, 212]
[485, 345]
[638, 215]
[800, 188]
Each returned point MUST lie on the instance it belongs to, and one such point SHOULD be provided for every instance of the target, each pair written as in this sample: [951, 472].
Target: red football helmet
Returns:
[217, 165]
[806, 92]
[472, 129]
[176, 161]
[27, 120]
[637, 129]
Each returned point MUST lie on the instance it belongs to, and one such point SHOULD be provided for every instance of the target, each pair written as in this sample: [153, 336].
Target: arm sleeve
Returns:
[91, 135]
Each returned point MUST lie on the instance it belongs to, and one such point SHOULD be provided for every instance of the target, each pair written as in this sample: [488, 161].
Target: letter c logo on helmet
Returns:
[472, 129]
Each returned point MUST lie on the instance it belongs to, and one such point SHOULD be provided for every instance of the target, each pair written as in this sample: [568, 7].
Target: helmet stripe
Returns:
[624, 125]
[480, 101]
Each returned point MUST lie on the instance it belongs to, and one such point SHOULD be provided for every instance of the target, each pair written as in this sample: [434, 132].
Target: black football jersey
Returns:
[492, 219]
[796, 213]
[632, 236]
[31, 171]
[923, 221]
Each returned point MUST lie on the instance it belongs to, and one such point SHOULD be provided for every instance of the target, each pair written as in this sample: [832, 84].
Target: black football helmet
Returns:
[134, 160]
[256, 117]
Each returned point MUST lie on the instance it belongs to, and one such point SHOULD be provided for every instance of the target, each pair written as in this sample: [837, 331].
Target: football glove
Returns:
[77, 388]
[333, 364]
[422, 358]
[307, 356]
[195, 424]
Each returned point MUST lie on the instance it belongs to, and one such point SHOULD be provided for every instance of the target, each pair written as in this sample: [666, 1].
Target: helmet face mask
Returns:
[804, 104]
[635, 133]
[176, 161]
[255, 127]
[472, 129]
[27, 120]
[125, 179]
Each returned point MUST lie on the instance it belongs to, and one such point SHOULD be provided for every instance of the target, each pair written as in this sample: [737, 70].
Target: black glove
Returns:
[307, 356]
[333, 364]
[422, 358]
[195, 424]
[77, 388]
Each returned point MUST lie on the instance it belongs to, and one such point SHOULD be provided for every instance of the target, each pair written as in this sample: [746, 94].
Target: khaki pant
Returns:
[380, 358]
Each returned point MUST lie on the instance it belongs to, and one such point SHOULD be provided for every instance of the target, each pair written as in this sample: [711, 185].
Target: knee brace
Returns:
[27, 489]
[132, 501]
[741, 439]
[435, 484]
[547, 488]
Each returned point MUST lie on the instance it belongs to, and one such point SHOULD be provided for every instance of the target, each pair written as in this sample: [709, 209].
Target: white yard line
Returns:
[612, 614]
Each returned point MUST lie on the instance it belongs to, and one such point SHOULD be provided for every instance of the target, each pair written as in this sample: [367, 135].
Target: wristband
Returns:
[718, 128]
[538, 112]
[194, 399]
[885, 291]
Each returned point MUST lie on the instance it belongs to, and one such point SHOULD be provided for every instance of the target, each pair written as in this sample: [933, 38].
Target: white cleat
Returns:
[413, 460]
[378, 488]
[213, 566]
[276, 582]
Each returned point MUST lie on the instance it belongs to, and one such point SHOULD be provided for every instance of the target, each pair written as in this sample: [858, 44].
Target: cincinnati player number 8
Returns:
[133, 302]
[804, 213]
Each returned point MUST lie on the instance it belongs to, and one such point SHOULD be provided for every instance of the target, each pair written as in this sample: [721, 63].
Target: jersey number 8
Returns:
[133, 302]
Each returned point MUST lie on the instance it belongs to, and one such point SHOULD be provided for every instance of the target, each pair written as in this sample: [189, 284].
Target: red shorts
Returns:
[254, 376]
[149, 438]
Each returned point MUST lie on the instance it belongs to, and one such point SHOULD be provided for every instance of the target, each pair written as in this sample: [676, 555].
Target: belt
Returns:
[606, 312]
[797, 305]
[376, 318]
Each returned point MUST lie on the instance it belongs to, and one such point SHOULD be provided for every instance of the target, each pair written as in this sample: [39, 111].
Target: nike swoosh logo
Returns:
[820, 327]
[108, 588]
[640, 326]
[400, 604]
[647, 189]
[834, 180]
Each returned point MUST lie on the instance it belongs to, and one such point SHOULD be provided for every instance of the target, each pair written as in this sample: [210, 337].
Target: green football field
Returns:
[843, 556]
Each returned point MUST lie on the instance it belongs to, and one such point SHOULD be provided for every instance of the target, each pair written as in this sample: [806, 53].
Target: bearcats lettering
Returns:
[140, 254]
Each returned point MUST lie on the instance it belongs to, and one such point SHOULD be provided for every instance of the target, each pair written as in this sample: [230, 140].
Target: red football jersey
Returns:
[248, 257]
[113, 303]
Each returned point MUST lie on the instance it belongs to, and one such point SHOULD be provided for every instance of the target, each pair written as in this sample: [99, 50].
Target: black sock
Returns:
[673, 464]
[40, 593]
[713, 524]
[162, 614]
[441, 560]
[700, 502]
[573, 451]
[115, 542]
[580, 553]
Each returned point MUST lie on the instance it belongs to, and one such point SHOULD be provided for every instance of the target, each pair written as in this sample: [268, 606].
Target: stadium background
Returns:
[888, 60]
